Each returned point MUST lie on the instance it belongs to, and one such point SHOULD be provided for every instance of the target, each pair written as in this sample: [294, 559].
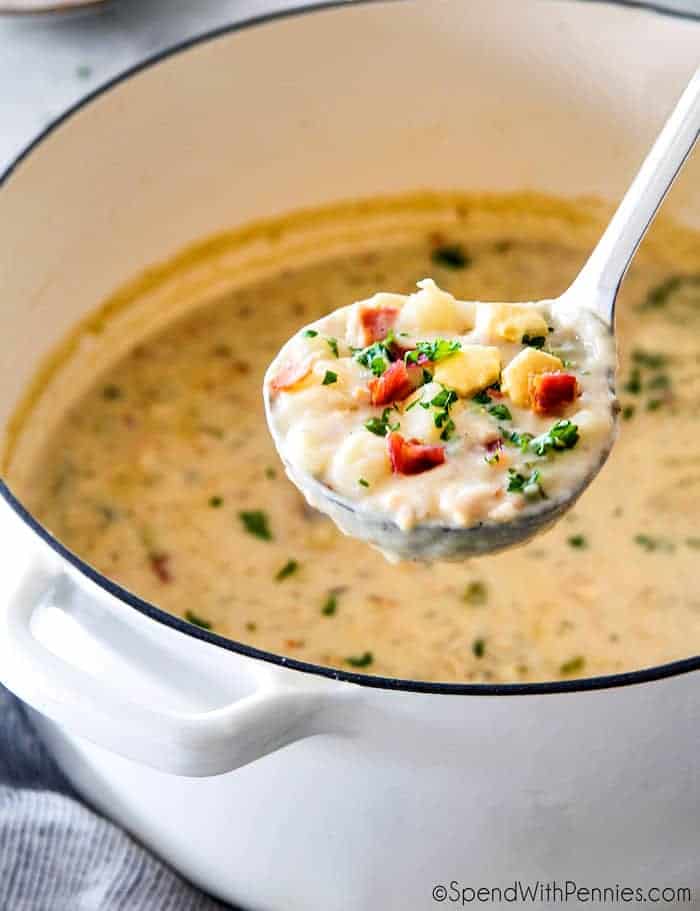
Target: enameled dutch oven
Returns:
[268, 782]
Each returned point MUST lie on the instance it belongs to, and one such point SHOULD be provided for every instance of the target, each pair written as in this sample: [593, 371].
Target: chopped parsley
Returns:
[634, 383]
[376, 357]
[270, 473]
[191, 617]
[310, 333]
[654, 360]
[329, 378]
[330, 605]
[655, 404]
[363, 482]
[562, 435]
[453, 256]
[380, 426]
[502, 412]
[289, 568]
[479, 647]
[534, 341]
[693, 542]
[256, 523]
[628, 412]
[215, 502]
[482, 398]
[333, 345]
[111, 392]
[521, 440]
[435, 350]
[442, 402]
[476, 593]
[650, 544]
[493, 459]
[529, 486]
[578, 542]
[363, 660]
[573, 665]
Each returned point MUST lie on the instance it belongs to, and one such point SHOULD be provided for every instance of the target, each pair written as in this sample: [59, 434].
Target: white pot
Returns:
[269, 783]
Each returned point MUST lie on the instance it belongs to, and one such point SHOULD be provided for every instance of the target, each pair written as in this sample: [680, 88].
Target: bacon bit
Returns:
[412, 456]
[495, 393]
[376, 323]
[290, 374]
[396, 383]
[494, 445]
[160, 564]
[294, 643]
[551, 392]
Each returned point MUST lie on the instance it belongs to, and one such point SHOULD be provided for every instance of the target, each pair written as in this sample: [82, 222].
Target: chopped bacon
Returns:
[494, 445]
[551, 392]
[376, 323]
[160, 564]
[396, 383]
[290, 374]
[412, 456]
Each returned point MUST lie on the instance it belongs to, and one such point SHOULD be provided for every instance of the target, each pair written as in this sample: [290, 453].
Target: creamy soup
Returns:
[427, 409]
[163, 476]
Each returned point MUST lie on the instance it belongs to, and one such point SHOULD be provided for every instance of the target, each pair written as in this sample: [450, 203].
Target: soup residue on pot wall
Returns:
[162, 474]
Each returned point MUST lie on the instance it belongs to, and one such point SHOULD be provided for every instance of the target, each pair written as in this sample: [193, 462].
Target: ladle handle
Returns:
[601, 276]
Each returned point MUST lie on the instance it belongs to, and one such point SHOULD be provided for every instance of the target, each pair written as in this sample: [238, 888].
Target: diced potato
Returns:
[470, 370]
[514, 321]
[516, 376]
[360, 455]
[307, 445]
[435, 311]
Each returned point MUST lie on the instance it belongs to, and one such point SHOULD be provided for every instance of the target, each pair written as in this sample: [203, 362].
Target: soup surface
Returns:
[163, 476]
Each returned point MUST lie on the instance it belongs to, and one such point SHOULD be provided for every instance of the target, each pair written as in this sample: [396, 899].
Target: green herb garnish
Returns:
[650, 544]
[329, 378]
[453, 256]
[634, 383]
[330, 605]
[479, 647]
[191, 617]
[270, 473]
[215, 502]
[376, 357]
[289, 568]
[654, 360]
[111, 392]
[436, 350]
[578, 542]
[534, 341]
[502, 412]
[482, 398]
[380, 426]
[628, 412]
[363, 482]
[363, 660]
[521, 440]
[573, 665]
[255, 522]
[476, 593]
[442, 402]
[563, 435]
[310, 333]
[529, 486]
[655, 404]
[333, 345]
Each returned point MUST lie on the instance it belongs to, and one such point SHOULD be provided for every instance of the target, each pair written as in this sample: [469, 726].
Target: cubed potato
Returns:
[514, 321]
[435, 311]
[516, 376]
[308, 445]
[360, 455]
[470, 370]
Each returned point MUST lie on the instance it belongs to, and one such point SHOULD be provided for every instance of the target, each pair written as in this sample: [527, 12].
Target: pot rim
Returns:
[607, 681]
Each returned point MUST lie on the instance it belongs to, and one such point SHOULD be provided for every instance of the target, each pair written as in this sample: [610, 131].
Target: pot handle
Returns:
[277, 707]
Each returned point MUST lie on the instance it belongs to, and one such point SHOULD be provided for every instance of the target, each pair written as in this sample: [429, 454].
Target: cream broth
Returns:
[163, 477]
